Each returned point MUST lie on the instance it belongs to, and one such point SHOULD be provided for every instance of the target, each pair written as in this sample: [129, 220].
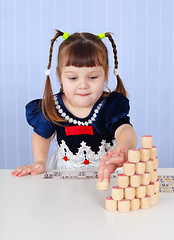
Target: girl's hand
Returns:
[32, 169]
[110, 162]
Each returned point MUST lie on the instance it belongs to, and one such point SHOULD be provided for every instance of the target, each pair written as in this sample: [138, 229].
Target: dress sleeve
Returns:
[36, 119]
[115, 111]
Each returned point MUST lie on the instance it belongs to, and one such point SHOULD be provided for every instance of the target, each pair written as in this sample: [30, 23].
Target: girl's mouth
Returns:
[83, 94]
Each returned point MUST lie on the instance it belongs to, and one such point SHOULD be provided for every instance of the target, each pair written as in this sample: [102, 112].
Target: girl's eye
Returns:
[93, 77]
[72, 78]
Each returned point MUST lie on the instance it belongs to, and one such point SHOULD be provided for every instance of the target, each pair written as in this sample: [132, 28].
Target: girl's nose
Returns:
[82, 84]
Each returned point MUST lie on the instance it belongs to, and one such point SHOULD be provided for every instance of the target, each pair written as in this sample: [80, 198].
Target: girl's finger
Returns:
[30, 169]
[18, 171]
[108, 170]
[106, 174]
[120, 164]
[25, 171]
[115, 160]
[112, 167]
[101, 168]
[112, 153]
[122, 151]
[122, 148]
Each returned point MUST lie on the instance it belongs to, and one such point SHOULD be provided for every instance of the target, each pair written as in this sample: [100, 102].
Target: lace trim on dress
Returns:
[85, 157]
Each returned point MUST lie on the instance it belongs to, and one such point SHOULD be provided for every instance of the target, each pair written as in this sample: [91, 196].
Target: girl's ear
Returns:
[106, 74]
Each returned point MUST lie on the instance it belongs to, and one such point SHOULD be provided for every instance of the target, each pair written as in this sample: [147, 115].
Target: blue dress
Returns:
[81, 141]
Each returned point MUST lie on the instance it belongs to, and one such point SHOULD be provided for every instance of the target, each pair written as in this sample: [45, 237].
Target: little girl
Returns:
[92, 126]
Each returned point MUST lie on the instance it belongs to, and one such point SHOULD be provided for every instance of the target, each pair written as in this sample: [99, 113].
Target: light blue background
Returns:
[144, 35]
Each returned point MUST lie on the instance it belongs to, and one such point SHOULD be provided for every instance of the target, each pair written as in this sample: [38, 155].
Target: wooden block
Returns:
[135, 204]
[117, 193]
[146, 141]
[156, 186]
[149, 165]
[124, 205]
[153, 152]
[140, 168]
[145, 202]
[140, 192]
[134, 155]
[122, 181]
[154, 176]
[145, 178]
[129, 193]
[135, 180]
[103, 185]
[110, 204]
[128, 168]
[144, 154]
[153, 199]
[157, 196]
[150, 189]
[155, 160]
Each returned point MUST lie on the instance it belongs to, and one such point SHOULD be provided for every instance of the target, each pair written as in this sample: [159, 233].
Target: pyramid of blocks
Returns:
[138, 186]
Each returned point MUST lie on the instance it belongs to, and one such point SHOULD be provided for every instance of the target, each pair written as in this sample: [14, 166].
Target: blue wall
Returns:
[144, 35]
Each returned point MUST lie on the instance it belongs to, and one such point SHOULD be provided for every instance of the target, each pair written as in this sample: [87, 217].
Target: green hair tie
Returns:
[65, 35]
[101, 35]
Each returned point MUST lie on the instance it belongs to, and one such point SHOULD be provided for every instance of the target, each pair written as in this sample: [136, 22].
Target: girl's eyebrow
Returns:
[95, 71]
[70, 71]
[90, 71]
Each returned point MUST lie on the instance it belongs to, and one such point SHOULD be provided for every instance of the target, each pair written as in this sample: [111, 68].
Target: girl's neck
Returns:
[82, 112]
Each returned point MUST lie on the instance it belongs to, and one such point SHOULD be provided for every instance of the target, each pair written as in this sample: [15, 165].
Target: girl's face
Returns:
[82, 86]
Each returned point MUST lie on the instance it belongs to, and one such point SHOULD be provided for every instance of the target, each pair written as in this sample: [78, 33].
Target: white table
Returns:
[35, 208]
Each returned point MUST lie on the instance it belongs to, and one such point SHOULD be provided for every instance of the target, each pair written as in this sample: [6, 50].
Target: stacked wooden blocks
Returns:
[138, 186]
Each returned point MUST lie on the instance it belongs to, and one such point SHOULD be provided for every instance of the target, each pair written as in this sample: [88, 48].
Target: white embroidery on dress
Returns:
[63, 158]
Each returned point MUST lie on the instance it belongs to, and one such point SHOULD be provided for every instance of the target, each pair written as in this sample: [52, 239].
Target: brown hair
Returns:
[80, 50]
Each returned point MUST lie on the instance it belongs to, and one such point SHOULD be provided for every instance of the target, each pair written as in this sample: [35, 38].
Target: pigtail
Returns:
[120, 86]
[48, 106]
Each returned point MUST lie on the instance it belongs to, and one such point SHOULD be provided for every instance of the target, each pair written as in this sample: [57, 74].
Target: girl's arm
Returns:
[41, 147]
[126, 139]
[40, 152]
